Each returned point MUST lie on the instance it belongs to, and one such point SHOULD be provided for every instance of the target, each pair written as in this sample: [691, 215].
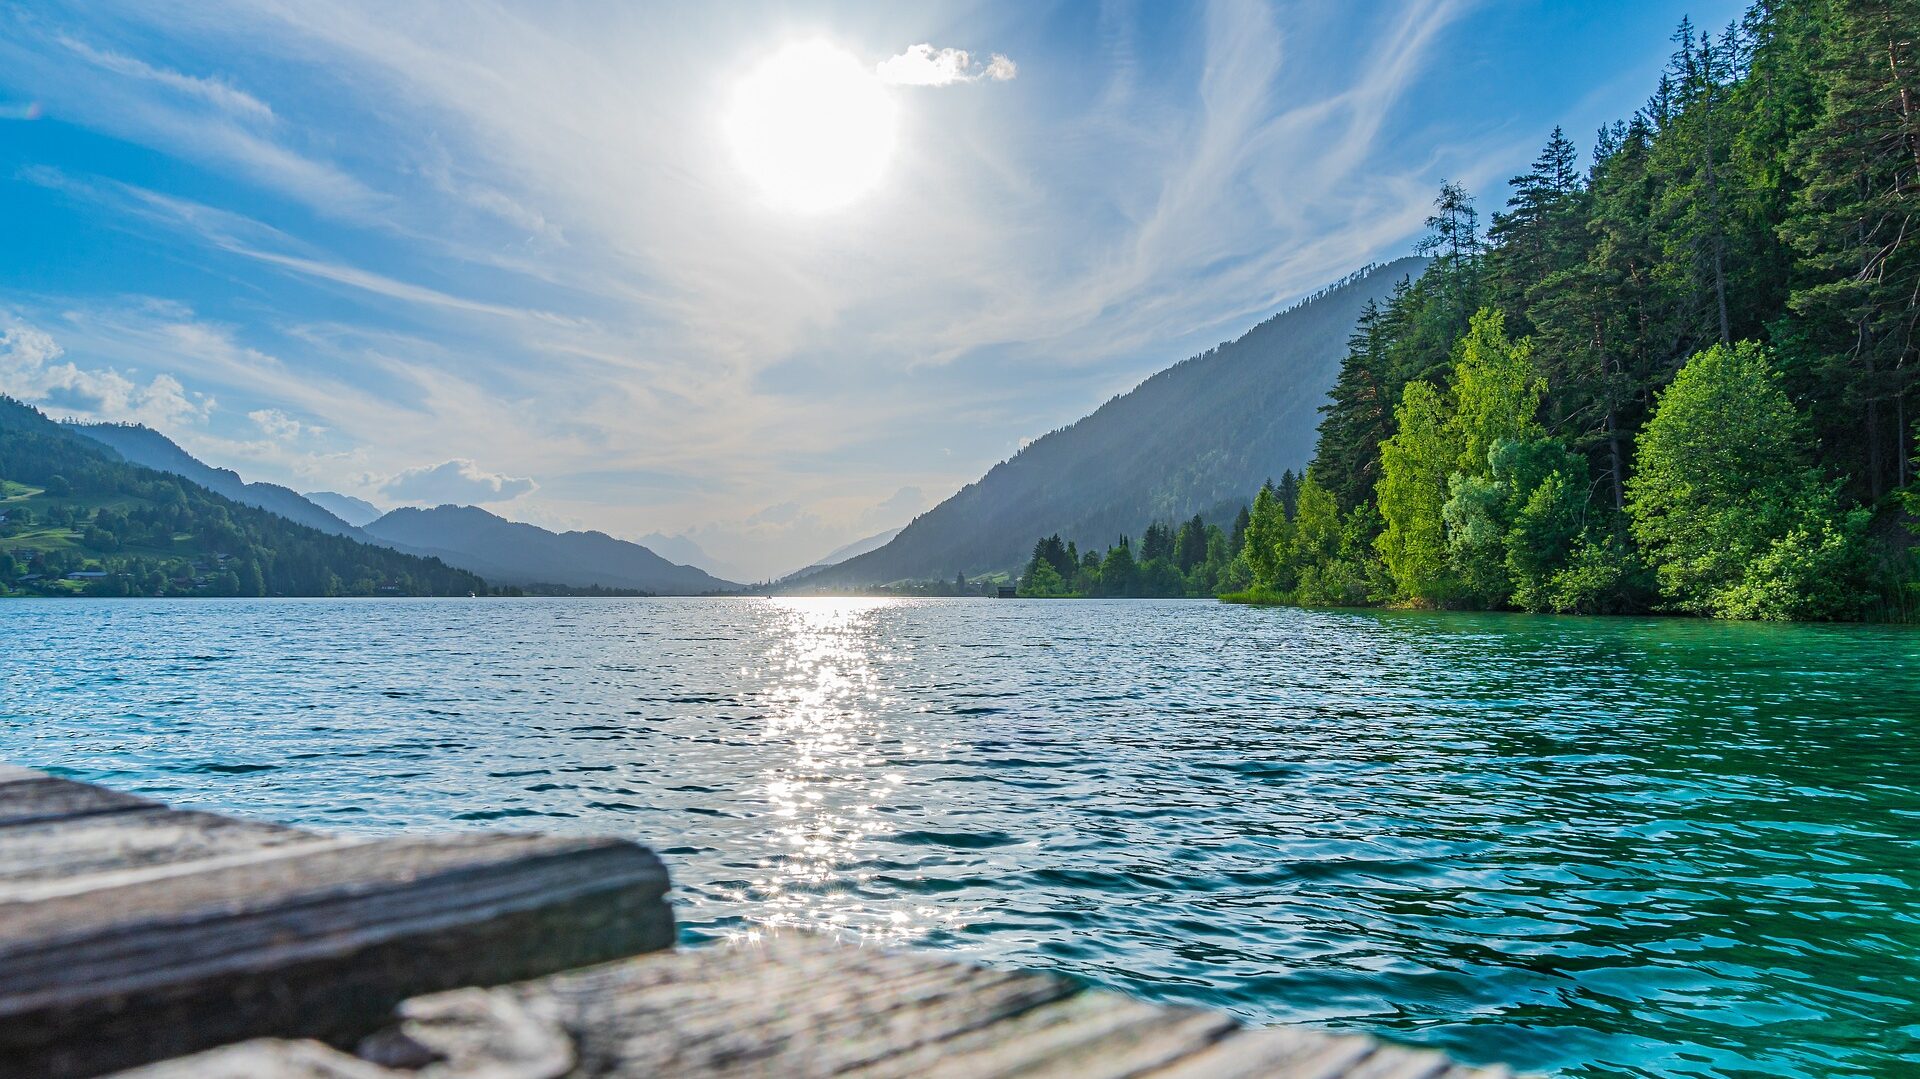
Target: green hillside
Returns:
[77, 519]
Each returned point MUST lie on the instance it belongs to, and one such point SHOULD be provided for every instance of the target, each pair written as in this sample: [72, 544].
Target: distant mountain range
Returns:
[1199, 435]
[78, 517]
[859, 547]
[507, 552]
[504, 552]
[357, 512]
[842, 553]
[688, 553]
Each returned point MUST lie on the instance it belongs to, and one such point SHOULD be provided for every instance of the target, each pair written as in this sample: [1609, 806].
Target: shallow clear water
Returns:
[1603, 847]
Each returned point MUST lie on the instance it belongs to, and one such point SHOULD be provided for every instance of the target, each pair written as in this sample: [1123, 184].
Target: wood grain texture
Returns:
[62, 855]
[29, 797]
[801, 1006]
[136, 936]
[130, 932]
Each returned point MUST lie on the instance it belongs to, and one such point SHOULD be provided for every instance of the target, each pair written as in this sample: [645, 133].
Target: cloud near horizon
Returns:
[29, 372]
[457, 481]
[279, 426]
[924, 65]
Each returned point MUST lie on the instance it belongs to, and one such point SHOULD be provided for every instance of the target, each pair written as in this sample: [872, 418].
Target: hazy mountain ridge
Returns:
[859, 547]
[684, 551]
[842, 553]
[81, 518]
[471, 539]
[357, 512]
[1205, 431]
[522, 554]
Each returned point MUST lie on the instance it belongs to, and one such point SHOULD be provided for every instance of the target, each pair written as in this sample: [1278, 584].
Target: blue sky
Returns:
[509, 255]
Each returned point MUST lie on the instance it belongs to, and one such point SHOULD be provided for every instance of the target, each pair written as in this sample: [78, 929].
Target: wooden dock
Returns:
[178, 945]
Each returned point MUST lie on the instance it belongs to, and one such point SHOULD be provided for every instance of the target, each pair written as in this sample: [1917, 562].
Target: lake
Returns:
[1589, 846]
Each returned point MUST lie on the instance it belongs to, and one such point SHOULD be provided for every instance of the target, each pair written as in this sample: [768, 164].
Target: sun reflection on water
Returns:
[828, 707]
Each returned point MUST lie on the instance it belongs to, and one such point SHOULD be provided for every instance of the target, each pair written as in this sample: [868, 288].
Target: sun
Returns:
[813, 127]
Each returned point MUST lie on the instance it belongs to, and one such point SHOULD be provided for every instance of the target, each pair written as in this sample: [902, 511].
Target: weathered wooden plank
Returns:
[702, 1013]
[129, 931]
[269, 1058]
[1282, 1053]
[802, 1006]
[30, 797]
[799, 1005]
[313, 940]
[1091, 1033]
[59, 854]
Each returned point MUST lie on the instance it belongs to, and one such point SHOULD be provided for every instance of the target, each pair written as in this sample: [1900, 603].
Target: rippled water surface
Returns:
[1592, 846]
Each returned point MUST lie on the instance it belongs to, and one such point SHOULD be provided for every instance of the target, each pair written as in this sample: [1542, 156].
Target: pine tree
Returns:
[1288, 490]
[1858, 229]
[1693, 153]
[1191, 546]
[1358, 414]
[1542, 231]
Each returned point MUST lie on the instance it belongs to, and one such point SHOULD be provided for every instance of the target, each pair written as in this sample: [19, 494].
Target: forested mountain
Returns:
[149, 448]
[357, 512]
[1684, 378]
[502, 551]
[77, 518]
[507, 552]
[1198, 434]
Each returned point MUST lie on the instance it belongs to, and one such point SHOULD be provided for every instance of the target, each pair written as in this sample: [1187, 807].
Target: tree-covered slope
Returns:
[1683, 378]
[76, 518]
[502, 551]
[149, 448]
[509, 552]
[1203, 432]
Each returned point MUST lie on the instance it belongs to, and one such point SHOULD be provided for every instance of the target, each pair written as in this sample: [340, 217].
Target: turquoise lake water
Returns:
[1587, 846]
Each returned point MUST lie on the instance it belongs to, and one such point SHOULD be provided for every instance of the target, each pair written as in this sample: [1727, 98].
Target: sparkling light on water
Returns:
[1596, 846]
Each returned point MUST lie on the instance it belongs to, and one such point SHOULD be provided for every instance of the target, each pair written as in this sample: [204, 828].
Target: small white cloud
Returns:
[29, 372]
[279, 426]
[458, 480]
[924, 65]
[24, 349]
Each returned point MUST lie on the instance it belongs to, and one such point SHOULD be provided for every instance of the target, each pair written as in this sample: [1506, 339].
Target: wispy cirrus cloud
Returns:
[215, 92]
[199, 116]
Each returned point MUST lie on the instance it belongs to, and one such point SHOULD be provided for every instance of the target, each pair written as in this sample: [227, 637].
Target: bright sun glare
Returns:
[813, 127]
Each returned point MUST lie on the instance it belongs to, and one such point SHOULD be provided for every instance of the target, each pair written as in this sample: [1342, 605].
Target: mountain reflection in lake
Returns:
[1595, 846]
